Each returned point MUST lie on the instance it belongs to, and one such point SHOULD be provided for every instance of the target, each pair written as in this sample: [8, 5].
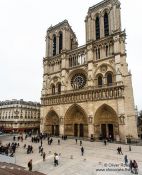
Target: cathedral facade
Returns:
[87, 90]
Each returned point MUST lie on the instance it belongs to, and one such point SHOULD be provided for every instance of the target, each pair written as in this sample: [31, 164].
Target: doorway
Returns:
[103, 131]
[110, 131]
[81, 129]
[75, 130]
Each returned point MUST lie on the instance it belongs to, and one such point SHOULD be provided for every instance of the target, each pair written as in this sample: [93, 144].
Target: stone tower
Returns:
[87, 91]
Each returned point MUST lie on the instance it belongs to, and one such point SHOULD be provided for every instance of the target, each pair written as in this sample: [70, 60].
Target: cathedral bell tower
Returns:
[60, 38]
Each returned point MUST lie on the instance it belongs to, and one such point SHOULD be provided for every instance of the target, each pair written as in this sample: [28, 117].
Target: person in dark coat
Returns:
[82, 150]
[135, 166]
[44, 155]
[131, 166]
[30, 165]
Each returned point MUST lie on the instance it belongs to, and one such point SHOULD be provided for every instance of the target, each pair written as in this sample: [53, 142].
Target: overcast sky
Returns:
[23, 25]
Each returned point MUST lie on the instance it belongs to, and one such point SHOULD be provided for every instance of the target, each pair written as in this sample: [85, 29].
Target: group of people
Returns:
[29, 149]
[9, 149]
[19, 138]
[119, 150]
[132, 165]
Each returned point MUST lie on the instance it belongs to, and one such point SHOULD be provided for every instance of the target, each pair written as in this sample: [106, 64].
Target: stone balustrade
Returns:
[89, 94]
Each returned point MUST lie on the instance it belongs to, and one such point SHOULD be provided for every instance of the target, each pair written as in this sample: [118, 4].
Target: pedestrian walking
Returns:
[80, 142]
[30, 165]
[105, 142]
[126, 160]
[41, 142]
[130, 149]
[44, 155]
[131, 166]
[56, 159]
[82, 151]
[135, 166]
[120, 149]
[76, 141]
[58, 141]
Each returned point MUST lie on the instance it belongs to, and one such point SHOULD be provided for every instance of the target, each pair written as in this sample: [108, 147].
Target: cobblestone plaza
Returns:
[98, 159]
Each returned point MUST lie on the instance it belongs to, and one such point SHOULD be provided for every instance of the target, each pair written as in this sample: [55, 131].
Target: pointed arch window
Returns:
[106, 25]
[106, 50]
[100, 81]
[97, 53]
[60, 42]
[53, 89]
[59, 88]
[97, 28]
[109, 79]
[54, 45]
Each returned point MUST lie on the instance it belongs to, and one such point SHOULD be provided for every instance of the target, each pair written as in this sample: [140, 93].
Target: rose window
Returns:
[78, 81]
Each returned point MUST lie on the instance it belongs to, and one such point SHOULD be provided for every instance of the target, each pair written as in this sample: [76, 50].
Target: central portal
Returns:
[107, 131]
[78, 130]
[76, 122]
[106, 123]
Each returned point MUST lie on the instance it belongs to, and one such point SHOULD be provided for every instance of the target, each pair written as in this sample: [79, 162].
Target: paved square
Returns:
[98, 159]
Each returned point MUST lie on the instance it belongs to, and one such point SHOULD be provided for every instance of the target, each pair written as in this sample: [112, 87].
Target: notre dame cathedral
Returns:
[87, 90]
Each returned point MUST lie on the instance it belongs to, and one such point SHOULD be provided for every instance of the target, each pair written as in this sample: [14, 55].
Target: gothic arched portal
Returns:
[106, 123]
[51, 125]
[76, 122]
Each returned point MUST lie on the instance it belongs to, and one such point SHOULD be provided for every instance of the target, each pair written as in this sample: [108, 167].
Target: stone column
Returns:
[89, 28]
[61, 126]
[57, 44]
[50, 47]
[90, 126]
[86, 27]
[101, 26]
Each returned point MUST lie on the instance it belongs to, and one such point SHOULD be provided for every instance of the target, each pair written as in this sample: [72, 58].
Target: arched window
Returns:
[54, 45]
[59, 88]
[98, 54]
[109, 79]
[100, 81]
[106, 25]
[60, 42]
[106, 51]
[97, 28]
[53, 89]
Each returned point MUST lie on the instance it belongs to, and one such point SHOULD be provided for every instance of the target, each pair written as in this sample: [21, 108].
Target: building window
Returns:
[106, 51]
[59, 88]
[109, 79]
[53, 89]
[60, 42]
[106, 25]
[98, 54]
[97, 28]
[100, 81]
[54, 45]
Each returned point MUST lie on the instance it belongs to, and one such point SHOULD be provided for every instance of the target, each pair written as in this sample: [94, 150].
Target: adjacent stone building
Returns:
[87, 90]
[19, 115]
